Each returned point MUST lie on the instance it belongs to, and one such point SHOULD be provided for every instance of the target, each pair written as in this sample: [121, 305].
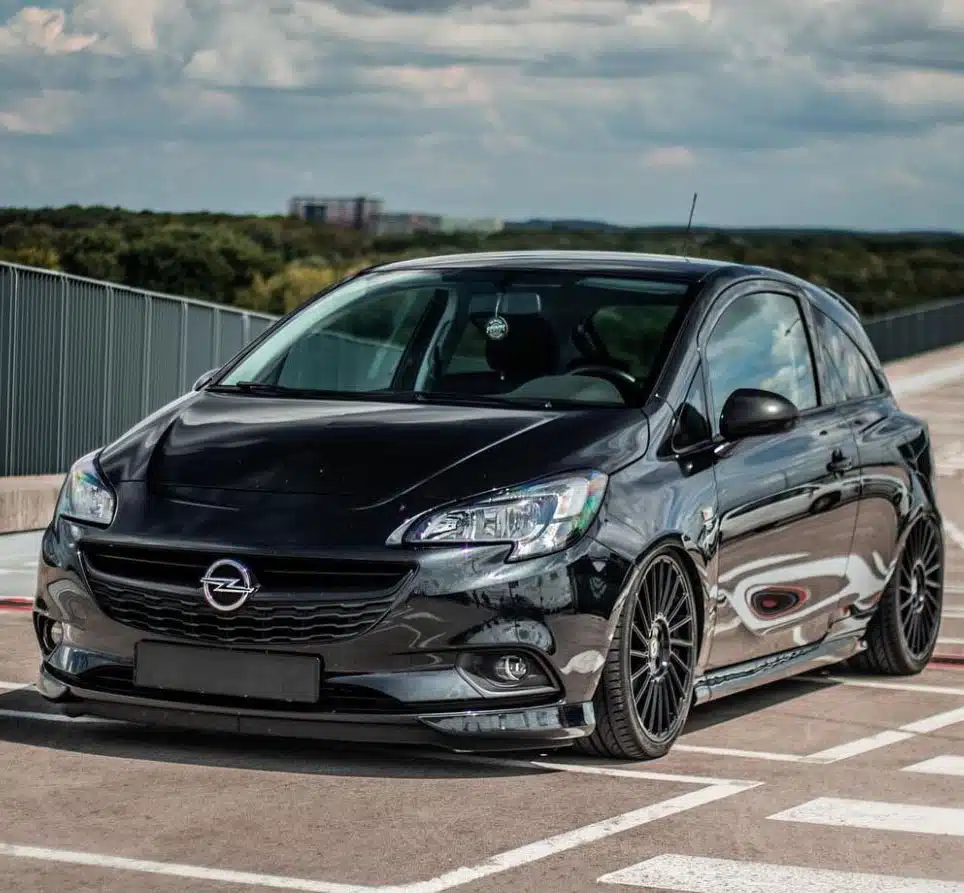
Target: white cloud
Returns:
[608, 108]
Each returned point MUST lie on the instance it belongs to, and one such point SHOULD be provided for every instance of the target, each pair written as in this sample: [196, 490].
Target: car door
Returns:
[865, 404]
[787, 502]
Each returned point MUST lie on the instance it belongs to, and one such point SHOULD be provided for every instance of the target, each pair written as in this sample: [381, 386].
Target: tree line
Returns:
[273, 264]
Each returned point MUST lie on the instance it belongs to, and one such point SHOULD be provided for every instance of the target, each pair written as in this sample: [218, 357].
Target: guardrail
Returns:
[906, 333]
[82, 360]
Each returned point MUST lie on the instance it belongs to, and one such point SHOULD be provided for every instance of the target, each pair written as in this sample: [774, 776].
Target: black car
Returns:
[502, 501]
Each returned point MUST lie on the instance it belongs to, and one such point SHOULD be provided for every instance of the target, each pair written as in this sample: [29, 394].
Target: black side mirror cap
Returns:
[751, 413]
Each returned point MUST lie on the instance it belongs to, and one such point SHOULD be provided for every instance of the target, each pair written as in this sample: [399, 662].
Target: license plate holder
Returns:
[254, 675]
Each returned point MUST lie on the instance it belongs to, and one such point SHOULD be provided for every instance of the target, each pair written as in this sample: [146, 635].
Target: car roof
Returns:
[623, 261]
[693, 269]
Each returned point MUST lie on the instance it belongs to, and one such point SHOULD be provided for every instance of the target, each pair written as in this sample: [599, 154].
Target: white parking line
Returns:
[950, 641]
[947, 765]
[871, 683]
[840, 752]
[955, 533]
[936, 722]
[694, 874]
[515, 858]
[870, 814]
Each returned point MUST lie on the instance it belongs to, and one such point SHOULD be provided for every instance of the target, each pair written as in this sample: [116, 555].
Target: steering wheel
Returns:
[625, 383]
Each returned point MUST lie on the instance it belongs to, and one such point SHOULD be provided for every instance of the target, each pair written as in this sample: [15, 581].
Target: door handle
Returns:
[839, 462]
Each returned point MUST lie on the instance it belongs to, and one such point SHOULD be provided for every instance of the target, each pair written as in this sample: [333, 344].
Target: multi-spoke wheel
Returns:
[902, 634]
[646, 687]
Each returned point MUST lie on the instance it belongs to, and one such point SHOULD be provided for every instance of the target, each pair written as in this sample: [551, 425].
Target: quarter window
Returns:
[761, 342]
[692, 424]
[855, 379]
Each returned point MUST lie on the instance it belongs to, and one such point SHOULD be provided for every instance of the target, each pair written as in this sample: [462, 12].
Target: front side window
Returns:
[854, 376]
[547, 336]
[760, 342]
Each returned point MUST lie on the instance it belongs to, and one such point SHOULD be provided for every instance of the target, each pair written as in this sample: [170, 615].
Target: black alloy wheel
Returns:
[646, 689]
[903, 633]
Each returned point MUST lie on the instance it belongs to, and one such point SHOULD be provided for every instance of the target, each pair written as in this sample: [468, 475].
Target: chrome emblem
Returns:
[227, 584]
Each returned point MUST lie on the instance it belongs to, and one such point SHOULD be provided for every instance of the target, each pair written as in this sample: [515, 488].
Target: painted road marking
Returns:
[840, 752]
[695, 874]
[927, 381]
[876, 816]
[951, 641]
[870, 683]
[954, 532]
[947, 765]
[510, 859]
[935, 723]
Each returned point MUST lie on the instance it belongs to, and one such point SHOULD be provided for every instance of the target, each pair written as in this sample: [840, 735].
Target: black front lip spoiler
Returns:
[554, 725]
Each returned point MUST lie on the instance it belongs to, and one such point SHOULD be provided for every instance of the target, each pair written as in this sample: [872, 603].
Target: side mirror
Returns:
[204, 379]
[752, 413]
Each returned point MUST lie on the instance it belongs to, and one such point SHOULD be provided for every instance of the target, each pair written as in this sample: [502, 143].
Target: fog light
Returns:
[502, 674]
[50, 633]
[511, 668]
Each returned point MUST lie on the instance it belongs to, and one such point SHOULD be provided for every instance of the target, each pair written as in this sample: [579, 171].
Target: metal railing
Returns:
[81, 361]
[906, 333]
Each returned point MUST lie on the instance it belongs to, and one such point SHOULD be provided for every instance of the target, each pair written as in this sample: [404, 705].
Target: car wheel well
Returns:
[675, 543]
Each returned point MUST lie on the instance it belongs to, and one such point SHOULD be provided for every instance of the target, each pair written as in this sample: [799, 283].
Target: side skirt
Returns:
[761, 671]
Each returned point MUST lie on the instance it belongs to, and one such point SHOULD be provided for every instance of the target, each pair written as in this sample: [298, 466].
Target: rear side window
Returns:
[854, 379]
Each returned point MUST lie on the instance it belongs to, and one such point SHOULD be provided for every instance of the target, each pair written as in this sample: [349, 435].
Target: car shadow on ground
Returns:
[736, 706]
[19, 725]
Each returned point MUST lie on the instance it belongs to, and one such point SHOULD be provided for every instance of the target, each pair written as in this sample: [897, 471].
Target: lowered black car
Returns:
[500, 501]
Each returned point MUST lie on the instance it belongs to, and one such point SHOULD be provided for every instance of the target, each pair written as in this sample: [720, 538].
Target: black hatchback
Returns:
[501, 501]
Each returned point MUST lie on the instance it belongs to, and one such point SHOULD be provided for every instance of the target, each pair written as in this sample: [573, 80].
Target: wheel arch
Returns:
[675, 541]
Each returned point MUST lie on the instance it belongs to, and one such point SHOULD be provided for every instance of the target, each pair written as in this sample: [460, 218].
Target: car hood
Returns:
[366, 452]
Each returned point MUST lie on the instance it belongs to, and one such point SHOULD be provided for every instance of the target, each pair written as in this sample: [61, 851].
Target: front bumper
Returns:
[462, 731]
[398, 682]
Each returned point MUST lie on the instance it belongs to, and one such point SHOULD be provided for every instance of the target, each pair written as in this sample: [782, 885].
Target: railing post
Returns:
[62, 384]
[106, 426]
[148, 326]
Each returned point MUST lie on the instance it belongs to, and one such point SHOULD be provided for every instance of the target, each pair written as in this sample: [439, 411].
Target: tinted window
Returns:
[692, 424]
[855, 377]
[761, 342]
[632, 334]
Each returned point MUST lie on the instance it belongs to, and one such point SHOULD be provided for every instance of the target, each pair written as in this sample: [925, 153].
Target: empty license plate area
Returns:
[293, 678]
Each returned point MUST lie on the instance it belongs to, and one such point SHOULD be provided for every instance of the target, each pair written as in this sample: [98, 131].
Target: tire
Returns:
[646, 687]
[902, 634]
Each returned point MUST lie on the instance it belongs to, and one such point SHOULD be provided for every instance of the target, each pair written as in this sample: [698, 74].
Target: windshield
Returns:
[554, 338]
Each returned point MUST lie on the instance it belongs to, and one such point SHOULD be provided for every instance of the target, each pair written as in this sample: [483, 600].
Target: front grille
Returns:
[301, 600]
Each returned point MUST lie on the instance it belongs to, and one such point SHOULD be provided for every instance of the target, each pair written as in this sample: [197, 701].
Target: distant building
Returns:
[481, 225]
[360, 212]
[401, 224]
[366, 213]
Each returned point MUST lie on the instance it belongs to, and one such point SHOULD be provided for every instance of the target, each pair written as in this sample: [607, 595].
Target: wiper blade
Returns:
[264, 389]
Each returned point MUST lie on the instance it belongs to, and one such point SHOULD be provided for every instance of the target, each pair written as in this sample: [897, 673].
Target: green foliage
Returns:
[275, 263]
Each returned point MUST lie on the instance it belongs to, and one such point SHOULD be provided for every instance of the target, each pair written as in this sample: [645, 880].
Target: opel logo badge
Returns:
[227, 585]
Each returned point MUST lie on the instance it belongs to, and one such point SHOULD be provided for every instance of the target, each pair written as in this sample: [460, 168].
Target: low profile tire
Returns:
[646, 687]
[903, 632]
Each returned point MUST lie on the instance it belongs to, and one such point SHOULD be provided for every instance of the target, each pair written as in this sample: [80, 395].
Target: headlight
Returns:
[536, 519]
[85, 496]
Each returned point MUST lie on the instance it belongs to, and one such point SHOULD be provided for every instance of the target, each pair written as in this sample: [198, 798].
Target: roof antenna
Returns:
[689, 226]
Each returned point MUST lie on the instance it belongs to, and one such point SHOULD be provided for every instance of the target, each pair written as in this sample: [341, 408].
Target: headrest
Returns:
[528, 350]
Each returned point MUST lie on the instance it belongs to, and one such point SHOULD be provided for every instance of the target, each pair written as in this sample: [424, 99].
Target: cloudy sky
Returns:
[779, 112]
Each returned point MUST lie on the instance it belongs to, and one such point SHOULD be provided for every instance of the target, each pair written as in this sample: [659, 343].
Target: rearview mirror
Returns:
[204, 379]
[752, 413]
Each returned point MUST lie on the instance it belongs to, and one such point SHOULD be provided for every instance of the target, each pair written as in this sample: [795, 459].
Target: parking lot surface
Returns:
[832, 782]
